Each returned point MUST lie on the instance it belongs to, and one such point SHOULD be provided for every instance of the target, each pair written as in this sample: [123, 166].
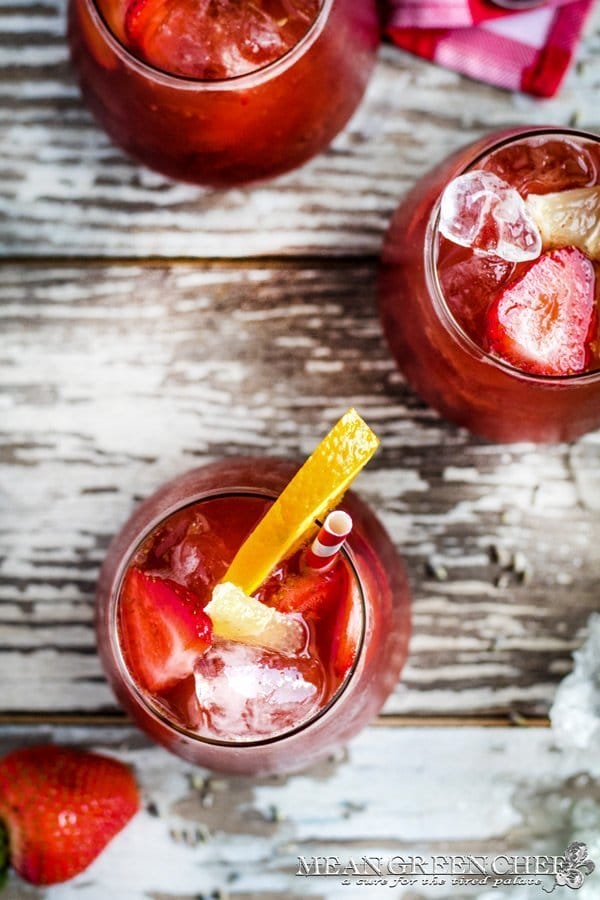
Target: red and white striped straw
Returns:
[332, 536]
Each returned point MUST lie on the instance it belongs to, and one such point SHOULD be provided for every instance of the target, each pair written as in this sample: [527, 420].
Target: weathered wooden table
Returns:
[148, 327]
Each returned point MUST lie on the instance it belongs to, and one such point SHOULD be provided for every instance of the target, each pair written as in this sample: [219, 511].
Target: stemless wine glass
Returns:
[236, 130]
[378, 579]
[441, 360]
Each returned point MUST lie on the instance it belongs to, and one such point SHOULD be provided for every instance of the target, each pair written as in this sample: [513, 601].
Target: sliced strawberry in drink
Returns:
[346, 633]
[310, 592]
[143, 18]
[543, 323]
[163, 629]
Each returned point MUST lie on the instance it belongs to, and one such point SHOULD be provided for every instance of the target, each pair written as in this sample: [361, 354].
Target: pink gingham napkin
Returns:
[522, 51]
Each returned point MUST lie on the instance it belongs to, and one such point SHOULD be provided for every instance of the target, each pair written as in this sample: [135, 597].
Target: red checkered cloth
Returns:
[522, 51]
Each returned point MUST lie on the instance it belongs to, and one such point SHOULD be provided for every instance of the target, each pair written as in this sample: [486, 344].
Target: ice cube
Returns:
[468, 280]
[246, 692]
[200, 558]
[483, 212]
[540, 165]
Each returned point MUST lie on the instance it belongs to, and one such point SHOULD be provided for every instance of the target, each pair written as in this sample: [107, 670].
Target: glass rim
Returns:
[159, 713]
[431, 271]
[239, 82]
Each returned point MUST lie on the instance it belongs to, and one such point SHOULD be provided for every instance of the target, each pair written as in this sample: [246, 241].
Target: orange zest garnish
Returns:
[316, 488]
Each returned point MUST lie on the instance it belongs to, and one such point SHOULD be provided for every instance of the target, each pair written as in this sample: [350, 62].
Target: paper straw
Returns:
[331, 538]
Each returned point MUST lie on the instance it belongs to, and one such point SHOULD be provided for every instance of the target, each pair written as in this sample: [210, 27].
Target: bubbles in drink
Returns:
[483, 212]
[248, 692]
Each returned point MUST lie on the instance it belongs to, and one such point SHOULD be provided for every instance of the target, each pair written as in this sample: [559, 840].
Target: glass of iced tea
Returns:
[489, 287]
[221, 92]
[270, 676]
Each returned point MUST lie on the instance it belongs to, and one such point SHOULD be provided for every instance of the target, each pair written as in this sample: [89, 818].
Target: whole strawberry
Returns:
[59, 808]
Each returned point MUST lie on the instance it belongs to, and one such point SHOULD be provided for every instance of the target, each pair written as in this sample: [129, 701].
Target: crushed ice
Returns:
[246, 691]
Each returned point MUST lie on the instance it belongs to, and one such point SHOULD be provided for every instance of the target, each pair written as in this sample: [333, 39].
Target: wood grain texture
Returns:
[65, 190]
[393, 792]
[118, 378]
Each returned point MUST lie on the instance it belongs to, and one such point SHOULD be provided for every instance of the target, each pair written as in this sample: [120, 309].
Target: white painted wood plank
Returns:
[65, 190]
[395, 791]
[116, 379]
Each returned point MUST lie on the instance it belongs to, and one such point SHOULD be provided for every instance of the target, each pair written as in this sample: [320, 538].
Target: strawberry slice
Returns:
[543, 323]
[346, 633]
[59, 808]
[310, 592]
[163, 629]
[143, 18]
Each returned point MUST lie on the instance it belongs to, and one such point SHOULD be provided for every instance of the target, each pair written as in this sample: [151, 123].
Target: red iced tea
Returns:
[228, 704]
[489, 296]
[280, 686]
[221, 92]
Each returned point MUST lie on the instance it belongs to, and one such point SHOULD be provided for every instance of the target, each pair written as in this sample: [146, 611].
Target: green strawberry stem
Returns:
[4, 855]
